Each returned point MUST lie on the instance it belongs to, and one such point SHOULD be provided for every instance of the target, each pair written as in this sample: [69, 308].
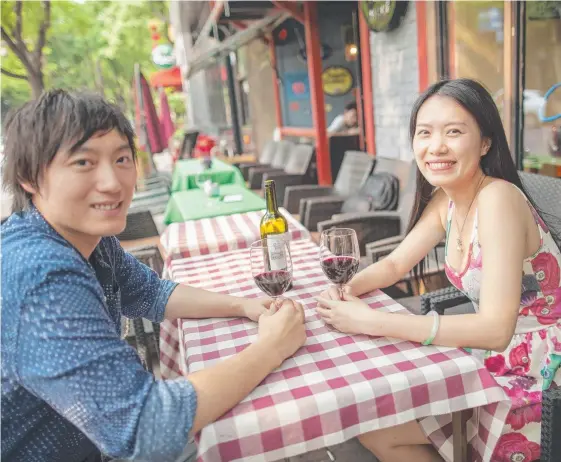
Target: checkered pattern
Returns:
[335, 387]
[220, 234]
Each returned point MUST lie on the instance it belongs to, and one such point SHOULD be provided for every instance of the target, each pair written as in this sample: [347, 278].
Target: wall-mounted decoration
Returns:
[296, 86]
[284, 33]
[337, 80]
[383, 16]
[294, 106]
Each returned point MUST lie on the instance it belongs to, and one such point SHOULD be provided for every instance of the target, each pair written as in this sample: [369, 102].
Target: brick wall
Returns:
[395, 75]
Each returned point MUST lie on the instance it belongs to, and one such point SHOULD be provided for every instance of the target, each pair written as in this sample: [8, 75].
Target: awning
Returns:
[235, 41]
[167, 78]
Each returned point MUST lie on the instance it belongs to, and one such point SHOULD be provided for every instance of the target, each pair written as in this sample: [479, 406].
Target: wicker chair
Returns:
[152, 195]
[147, 340]
[373, 226]
[265, 158]
[355, 169]
[140, 225]
[546, 192]
[279, 162]
[297, 171]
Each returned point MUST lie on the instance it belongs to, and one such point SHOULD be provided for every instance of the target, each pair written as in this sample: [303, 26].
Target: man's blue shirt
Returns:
[69, 383]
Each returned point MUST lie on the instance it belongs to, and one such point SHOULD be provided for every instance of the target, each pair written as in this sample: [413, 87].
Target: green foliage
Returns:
[90, 45]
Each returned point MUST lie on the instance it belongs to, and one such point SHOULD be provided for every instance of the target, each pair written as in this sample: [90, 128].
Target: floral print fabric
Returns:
[531, 363]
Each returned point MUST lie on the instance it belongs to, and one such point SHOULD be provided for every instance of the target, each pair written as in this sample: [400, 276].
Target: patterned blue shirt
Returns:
[69, 383]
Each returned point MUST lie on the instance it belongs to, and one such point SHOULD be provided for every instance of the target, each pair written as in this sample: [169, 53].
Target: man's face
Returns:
[85, 195]
[351, 119]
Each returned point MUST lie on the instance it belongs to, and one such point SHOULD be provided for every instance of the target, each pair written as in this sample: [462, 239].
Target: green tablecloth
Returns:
[194, 204]
[186, 171]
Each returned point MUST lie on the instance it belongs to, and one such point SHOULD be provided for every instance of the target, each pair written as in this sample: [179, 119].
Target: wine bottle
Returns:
[274, 228]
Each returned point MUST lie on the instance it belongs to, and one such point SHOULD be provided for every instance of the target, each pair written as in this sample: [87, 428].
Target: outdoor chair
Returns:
[265, 159]
[146, 334]
[140, 225]
[369, 226]
[188, 143]
[339, 144]
[151, 195]
[280, 160]
[297, 171]
[355, 169]
[545, 191]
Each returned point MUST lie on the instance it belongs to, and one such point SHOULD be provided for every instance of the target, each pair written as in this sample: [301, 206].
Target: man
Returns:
[346, 123]
[71, 388]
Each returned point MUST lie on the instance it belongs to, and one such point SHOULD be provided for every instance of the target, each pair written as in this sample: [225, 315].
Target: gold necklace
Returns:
[459, 243]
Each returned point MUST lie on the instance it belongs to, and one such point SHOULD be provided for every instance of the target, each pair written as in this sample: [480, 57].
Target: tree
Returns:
[90, 45]
[14, 36]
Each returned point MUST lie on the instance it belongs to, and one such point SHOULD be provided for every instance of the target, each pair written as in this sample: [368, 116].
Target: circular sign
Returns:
[163, 56]
[337, 81]
[383, 16]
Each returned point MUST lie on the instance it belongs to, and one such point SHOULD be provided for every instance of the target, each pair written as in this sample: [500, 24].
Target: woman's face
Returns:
[448, 145]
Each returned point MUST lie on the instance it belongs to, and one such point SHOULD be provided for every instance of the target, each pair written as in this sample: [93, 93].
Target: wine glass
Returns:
[271, 266]
[339, 255]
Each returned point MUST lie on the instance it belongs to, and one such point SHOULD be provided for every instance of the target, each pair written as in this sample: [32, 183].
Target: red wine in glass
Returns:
[271, 266]
[340, 270]
[339, 255]
[273, 283]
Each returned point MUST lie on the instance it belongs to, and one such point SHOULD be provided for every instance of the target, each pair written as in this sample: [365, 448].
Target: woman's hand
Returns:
[350, 315]
[334, 293]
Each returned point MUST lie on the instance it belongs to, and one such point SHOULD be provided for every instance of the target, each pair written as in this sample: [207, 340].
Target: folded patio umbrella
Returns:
[166, 124]
[148, 126]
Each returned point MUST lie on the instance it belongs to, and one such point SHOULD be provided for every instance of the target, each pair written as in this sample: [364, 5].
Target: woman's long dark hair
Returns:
[497, 163]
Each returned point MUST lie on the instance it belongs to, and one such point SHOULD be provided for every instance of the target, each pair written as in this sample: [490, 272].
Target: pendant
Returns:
[459, 245]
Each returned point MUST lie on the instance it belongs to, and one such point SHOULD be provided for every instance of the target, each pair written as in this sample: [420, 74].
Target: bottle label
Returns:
[277, 248]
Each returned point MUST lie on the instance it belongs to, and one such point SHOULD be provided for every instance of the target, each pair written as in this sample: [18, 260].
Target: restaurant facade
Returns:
[294, 66]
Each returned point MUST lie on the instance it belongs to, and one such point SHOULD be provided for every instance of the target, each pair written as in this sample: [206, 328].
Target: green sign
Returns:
[383, 16]
[163, 56]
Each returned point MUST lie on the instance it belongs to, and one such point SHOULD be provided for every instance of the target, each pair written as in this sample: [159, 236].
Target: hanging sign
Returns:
[337, 81]
[163, 56]
[383, 16]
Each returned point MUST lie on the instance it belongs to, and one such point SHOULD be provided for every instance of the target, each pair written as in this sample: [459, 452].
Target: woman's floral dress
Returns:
[531, 362]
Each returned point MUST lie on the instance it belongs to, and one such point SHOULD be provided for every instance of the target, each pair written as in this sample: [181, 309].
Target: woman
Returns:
[71, 387]
[499, 252]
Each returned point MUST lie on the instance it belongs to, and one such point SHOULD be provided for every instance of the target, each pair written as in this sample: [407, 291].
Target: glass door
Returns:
[542, 89]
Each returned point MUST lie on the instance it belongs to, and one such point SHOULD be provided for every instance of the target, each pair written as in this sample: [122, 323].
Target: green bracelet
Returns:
[434, 330]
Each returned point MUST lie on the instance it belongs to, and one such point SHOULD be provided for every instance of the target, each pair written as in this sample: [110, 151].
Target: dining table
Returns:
[335, 387]
[195, 204]
[189, 172]
[220, 234]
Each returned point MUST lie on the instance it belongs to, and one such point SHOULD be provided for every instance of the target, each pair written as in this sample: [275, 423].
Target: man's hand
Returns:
[252, 308]
[351, 316]
[283, 329]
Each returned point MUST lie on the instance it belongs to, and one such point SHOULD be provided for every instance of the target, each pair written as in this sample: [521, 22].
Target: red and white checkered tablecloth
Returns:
[336, 386]
[220, 234]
